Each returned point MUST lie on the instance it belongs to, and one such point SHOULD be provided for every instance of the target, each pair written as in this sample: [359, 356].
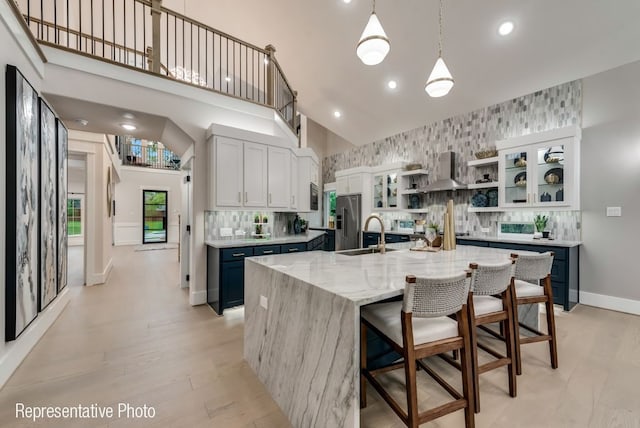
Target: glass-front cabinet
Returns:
[540, 170]
[385, 190]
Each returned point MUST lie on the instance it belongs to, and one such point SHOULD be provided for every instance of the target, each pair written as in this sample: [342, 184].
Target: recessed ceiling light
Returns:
[392, 84]
[129, 127]
[83, 122]
[228, 79]
[337, 114]
[505, 28]
[128, 116]
[347, 1]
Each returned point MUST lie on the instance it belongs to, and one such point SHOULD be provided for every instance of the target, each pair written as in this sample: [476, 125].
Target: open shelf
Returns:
[483, 162]
[413, 172]
[483, 185]
[485, 209]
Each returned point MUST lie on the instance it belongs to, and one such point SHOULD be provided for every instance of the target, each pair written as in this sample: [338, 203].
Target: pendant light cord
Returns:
[440, 31]
[374, 7]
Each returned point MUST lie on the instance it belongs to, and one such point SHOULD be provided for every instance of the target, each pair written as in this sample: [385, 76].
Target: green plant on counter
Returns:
[541, 222]
[265, 219]
[434, 226]
[256, 219]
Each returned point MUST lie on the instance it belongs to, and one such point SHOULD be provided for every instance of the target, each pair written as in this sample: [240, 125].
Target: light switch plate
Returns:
[614, 211]
[485, 229]
[264, 302]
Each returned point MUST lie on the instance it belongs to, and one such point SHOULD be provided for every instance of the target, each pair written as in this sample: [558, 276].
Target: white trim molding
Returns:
[100, 278]
[198, 298]
[619, 304]
[18, 349]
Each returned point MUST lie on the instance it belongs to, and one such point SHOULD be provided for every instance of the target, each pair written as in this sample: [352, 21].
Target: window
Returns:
[74, 216]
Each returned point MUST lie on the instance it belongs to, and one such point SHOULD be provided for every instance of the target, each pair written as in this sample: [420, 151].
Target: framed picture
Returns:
[22, 204]
[48, 206]
[62, 137]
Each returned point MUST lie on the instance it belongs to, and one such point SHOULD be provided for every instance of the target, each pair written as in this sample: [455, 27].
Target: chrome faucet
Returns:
[381, 239]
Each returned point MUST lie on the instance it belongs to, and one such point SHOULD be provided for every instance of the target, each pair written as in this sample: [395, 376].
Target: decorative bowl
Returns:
[413, 166]
[520, 162]
[488, 153]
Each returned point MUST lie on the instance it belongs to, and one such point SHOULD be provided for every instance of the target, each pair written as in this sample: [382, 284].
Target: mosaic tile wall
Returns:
[277, 223]
[466, 134]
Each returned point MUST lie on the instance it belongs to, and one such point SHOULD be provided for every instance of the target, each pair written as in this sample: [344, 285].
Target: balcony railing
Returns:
[144, 35]
[149, 156]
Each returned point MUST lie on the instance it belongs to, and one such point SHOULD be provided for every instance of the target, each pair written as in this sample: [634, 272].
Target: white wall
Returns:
[611, 177]
[98, 224]
[128, 219]
[17, 50]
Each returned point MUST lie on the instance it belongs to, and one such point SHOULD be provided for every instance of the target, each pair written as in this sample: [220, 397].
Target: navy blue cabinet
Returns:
[372, 238]
[225, 270]
[565, 273]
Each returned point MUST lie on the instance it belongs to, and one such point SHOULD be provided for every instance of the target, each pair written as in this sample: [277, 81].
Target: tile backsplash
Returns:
[465, 134]
[244, 220]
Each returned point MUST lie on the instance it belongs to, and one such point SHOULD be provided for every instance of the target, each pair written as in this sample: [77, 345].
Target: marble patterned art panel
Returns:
[48, 205]
[62, 138]
[22, 205]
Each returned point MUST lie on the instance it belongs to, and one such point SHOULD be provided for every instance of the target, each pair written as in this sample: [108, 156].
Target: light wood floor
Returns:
[136, 340]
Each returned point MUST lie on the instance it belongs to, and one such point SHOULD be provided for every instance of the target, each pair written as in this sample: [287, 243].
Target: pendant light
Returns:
[374, 45]
[440, 80]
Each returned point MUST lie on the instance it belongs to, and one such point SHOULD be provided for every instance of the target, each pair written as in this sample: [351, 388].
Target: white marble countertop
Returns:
[291, 239]
[369, 278]
[543, 242]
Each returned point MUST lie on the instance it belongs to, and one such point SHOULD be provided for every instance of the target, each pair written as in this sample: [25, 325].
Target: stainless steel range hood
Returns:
[445, 179]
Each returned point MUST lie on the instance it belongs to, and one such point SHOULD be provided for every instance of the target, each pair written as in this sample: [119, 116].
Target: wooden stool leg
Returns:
[412, 391]
[455, 354]
[473, 351]
[509, 340]
[551, 324]
[516, 334]
[466, 364]
[363, 365]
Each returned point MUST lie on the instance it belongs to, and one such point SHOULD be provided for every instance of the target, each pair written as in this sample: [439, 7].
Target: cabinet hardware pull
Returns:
[535, 198]
[238, 254]
[528, 195]
[270, 198]
[291, 250]
[267, 252]
[239, 197]
[246, 196]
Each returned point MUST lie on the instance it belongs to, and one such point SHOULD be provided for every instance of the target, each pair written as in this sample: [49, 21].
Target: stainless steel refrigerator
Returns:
[348, 209]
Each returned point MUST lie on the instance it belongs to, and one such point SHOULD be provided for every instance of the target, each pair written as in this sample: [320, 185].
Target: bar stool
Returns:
[533, 285]
[419, 327]
[488, 281]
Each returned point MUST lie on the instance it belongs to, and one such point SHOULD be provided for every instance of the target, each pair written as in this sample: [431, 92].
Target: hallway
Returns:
[136, 340]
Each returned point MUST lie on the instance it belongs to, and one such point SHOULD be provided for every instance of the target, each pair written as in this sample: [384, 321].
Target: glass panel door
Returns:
[551, 175]
[515, 176]
[154, 216]
[392, 190]
[378, 189]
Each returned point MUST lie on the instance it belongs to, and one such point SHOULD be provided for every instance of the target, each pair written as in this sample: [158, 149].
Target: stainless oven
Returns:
[314, 197]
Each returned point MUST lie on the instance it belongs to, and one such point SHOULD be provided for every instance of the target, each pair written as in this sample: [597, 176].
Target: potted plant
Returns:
[433, 235]
[541, 224]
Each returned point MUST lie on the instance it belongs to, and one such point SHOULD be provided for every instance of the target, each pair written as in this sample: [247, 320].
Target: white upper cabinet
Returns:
[279, 177]
[255, 174]
[294, 183]
[540, 170]
[228, 178]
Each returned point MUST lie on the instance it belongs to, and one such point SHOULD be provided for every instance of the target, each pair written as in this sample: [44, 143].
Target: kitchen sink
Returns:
[362, 251]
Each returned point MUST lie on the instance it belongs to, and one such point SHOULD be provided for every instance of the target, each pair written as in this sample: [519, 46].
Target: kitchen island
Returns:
[302, 314]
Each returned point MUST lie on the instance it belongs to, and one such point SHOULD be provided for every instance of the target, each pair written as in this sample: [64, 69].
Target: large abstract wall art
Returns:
[48, 206]
[63, 137]
[22, 204]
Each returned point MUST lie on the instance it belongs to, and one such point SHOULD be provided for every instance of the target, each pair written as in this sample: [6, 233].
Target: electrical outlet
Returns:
[264, 302]
[614, 211]
[485, 229]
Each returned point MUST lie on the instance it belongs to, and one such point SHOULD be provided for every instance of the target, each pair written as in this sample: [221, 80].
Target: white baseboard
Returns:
[17, 350]
[100, 278]
[198, 298]
[609, 302]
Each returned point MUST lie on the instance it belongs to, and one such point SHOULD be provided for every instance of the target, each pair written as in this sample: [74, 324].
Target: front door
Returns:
[154, 211]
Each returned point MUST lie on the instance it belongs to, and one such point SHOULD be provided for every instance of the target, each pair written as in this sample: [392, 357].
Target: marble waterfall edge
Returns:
[299, 350]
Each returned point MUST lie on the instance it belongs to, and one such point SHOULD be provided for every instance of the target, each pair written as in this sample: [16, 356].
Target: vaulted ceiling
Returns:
[553, 42]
